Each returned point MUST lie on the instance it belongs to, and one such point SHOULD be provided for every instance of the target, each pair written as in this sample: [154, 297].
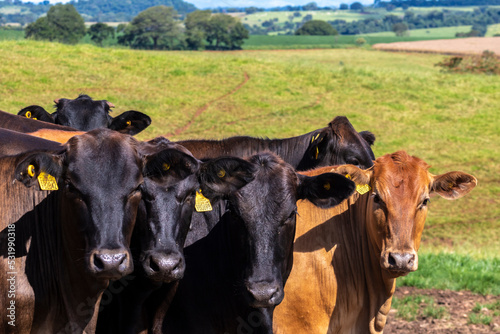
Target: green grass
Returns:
[411, 307]
[11, 34]
[268, 42]
[455, 272]
[483, 313]
[493, 29]
[449, 120]
[431, 33]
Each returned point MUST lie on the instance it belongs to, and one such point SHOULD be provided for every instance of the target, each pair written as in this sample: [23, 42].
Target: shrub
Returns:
[360, 41]
[486, 63]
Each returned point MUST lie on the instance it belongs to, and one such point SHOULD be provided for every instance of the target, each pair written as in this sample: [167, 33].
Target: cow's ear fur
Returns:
[170, 163]
[41, 162]
[130, 122]
[37, 113]
[368, 137]
[453, 185]
[358, 175]
[325, 190]
[223, 176]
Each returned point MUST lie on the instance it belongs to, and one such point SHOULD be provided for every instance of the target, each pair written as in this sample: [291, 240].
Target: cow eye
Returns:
[377, 199]
[71, 188]
[425, 202]
[353, 161]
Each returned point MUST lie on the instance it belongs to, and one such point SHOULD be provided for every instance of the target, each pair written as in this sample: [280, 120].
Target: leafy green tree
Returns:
[356, 6]
[343, 6]
[62, 24]
[317, 28]
[99, 32]
[400, 28]
[197, 24]
[155, 28]
[225, 32]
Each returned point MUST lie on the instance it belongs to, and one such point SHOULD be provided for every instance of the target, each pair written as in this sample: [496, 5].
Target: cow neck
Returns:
[364, 265]
[79, 302]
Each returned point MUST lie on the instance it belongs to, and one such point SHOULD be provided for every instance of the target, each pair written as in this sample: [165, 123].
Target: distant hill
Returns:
[91, 10]
[124, 10]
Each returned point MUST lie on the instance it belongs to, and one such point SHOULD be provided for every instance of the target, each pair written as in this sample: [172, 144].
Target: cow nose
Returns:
[110, 263]
[265, 294]
[164, 267]
[401, 261]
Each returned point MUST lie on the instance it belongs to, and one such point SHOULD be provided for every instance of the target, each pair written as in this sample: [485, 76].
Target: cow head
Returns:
[398, 200]
[99, 175]
[339, 144]
[169, 191]
[265, 213]
[85, 114]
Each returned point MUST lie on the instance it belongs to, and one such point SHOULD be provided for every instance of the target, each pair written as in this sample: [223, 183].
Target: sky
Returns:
[257, 3]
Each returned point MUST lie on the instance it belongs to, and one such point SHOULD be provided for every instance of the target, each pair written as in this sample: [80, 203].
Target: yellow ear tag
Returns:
[363, 188]
[327, 186]
[317, 152]
[47, 182]
[221, 173]
[28, 114]
[166, 166]
[129, 123]
[31, 170]
[348, 176]
[202, 204]
[34, 118]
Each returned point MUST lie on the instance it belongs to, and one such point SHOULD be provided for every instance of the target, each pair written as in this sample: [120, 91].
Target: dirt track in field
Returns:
[459, 46]
[458, 305]
[202, 109]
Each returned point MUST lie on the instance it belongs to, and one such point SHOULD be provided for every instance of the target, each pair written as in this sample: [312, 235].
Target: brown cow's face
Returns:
[397, 209]
[401, 187]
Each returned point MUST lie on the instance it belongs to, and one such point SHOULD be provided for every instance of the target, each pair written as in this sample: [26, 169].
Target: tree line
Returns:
[158, 28]
[479, 18]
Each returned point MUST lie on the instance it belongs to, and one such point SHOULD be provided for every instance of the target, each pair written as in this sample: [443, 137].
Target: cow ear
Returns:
[358, 175]
[319, 144]
[170, 162]
[325, 190]
[130, 122]
[453, 185]
[223, 176]
[368, 137]
[28, 170]
[36, 113]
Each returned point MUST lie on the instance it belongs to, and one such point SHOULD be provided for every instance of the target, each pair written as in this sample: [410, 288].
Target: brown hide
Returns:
[353, 293]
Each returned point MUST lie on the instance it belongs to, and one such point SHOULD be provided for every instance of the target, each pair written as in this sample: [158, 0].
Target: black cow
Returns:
[235, 275]
[86, 114]
[68, 244]
[162, 224]
[337, 144]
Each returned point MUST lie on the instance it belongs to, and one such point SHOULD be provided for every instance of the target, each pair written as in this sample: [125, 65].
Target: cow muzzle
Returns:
[399, 263]
[164, 267]
[264, 294]
[110, 263]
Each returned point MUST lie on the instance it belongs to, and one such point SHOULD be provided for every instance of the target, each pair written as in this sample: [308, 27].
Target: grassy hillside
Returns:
[449, 120]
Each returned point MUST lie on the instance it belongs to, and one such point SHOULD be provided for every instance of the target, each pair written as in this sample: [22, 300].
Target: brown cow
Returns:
[375, 238]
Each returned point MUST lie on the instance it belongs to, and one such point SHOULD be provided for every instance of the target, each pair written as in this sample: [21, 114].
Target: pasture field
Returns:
[268, 42]
[449, 120]
[493, 29]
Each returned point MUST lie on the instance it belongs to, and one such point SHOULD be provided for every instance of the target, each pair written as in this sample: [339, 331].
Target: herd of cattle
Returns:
[102, 233]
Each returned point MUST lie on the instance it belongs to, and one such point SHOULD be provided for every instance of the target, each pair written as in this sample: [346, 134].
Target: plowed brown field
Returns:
[459, 46]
